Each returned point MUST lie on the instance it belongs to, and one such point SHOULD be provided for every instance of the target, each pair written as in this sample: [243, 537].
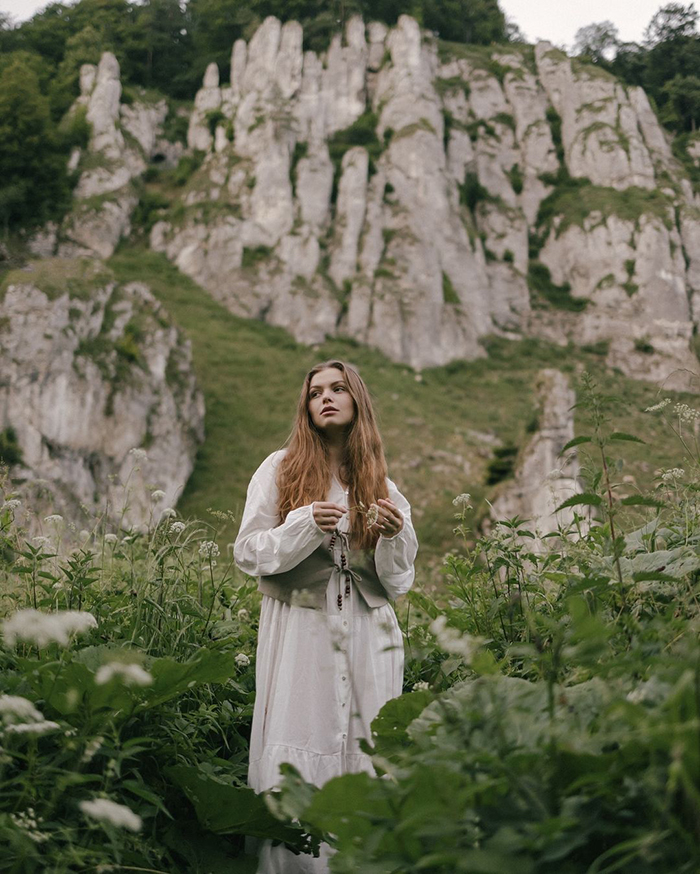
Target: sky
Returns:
[554, 20]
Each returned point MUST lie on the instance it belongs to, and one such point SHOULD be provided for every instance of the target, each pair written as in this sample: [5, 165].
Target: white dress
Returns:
[321, 675]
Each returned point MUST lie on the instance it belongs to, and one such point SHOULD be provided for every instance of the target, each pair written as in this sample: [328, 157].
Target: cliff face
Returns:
[417, 196]
[91, 370]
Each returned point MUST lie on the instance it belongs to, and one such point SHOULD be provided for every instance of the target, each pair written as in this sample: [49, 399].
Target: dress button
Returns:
[345, 737]
[342, 678]
[345, 624]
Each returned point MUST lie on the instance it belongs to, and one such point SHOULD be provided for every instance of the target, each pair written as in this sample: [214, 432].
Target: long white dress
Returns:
[321, 675]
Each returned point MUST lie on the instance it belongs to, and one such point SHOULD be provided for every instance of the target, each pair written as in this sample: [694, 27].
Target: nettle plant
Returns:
[126, 665]
[554, 713]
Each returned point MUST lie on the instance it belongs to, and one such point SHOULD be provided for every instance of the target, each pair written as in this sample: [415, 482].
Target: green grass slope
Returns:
[435, 426]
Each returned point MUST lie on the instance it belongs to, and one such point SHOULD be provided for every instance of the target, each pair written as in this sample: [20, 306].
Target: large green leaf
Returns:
[389, 726]
[588, 499]
[226, 809]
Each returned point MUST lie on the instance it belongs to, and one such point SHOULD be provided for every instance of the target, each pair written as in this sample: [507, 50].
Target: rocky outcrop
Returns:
[92, 370]
[391, 190]
[543, 479]
[124, 138]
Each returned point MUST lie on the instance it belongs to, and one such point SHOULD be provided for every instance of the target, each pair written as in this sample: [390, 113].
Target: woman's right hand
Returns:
[327, 514]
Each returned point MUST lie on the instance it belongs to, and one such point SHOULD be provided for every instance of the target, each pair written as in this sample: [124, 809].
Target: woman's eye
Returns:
[340, 388]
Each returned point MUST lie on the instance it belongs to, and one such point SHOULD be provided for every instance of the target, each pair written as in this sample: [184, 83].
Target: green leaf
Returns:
[577, 441]
[620, 435]
[226, 809]
[585, 498]
[644, 576]
[390, 724]
[642, 501]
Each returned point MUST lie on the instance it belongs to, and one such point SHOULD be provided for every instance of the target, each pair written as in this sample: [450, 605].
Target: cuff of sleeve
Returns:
[390, 539]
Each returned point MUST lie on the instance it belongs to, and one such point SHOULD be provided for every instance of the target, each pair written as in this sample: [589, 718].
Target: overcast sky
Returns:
[555, 20]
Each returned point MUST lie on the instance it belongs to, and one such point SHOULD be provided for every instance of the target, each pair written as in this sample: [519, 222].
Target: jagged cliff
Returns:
[90, 370]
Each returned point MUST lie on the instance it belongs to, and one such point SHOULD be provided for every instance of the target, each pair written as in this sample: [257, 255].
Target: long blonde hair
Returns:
[304, 473]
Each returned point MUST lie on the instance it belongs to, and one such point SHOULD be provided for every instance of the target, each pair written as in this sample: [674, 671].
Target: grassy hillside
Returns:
[439, 428]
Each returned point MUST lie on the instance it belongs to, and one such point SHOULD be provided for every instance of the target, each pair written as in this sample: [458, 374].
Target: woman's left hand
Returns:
[390, 519]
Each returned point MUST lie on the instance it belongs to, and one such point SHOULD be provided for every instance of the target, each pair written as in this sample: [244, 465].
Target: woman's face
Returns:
[331, 406]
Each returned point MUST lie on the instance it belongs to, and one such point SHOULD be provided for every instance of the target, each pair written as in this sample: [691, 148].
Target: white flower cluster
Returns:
[421, 686]
[242, 660]
[157, 495]
[32, 727]
[168, 513]
[27, 821]
[41, 629]
[130, 675]
[673, 474]
[686, 413]
[177, 527]
[139, 454]
[118, 815]
[208, 549]
[14, 708]
[54, 519]
[92, 748]
[111, 538]
[242, 613]
[40, 540]
[462, 500]
[660, 406]
[12, 504]
[372, 515]
[450, 640]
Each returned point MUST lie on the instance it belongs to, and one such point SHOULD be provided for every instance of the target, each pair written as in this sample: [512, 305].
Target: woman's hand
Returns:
[327, 514]
[390, 519]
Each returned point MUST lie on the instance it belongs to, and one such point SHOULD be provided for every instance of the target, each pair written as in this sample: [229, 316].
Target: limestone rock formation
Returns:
[92, 369]
[543, 479]
[418, 196]
[124, 137]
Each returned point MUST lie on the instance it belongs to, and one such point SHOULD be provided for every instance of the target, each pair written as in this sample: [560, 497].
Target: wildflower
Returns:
[41, 629]
[177, 527]
[118, 815]
[208, 549]
[243, 613]
[421, 686]
[157, 495]
[242, 660]
[139, 454]
[462, 500]
[92, 748]
[27, 821]
[660, 406]
[84, 534]
[372, 515]
[40, 540]
[168, 513]
[450, 640]
[32, 727]
[554, 473]
[111, 538]
[14, 707]
[12, 504]
[674, 473]
[686, 413]
[130, 675]
[54, 519]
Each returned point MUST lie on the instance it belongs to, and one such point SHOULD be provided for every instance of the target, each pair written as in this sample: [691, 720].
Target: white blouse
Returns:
[321, 675]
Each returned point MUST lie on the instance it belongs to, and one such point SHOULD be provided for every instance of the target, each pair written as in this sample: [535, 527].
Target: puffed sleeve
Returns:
[263, 546]
[394, 556]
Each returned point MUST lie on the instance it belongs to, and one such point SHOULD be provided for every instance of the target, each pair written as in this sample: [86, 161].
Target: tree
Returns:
[671, 22]
[682, 108]
[597, 42]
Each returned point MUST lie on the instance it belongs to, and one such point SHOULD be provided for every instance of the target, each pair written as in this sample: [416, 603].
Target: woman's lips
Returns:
[329, 410]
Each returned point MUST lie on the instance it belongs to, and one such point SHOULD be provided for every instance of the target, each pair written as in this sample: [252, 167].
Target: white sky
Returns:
[555, 20]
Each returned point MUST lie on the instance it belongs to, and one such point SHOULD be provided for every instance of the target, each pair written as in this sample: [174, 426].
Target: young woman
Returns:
[331, 540]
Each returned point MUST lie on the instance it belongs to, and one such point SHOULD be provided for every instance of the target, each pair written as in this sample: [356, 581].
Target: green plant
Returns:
[449, 295]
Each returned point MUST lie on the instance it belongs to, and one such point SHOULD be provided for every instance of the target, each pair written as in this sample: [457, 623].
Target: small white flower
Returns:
[242, 660]
[118, 815]
[450, 640]
[12, 504]
[41, 629]
[157, 495]
[84, 534]
[111, 538]
[177, 527]
[660, 406]
[32, 727]
[54, 519]
[139, 454]
[14, 707]
[40, 540]
[462, 500]
[27, 821]
[92, 748]
[168, 513]
[554, 473]
[208, 549]
[673, 474]
[372, 515]
[686, 413]
[243, 613]
[130, 675]
[421, 686]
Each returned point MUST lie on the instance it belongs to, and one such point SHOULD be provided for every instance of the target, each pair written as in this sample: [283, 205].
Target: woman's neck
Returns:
[335, 458]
